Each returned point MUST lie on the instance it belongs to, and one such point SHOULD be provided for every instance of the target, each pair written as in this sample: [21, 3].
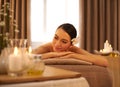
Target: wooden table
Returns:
[51, 77]
[114, 66]
[50, 73]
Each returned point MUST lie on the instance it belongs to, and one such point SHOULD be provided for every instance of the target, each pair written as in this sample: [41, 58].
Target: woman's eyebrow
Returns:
[62, 39]
[65, 40]
[56, 35]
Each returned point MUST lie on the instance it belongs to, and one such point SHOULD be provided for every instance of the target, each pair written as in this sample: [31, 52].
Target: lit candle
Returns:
[107, 47]
[27, 57]
[29, 50]
[15, 61]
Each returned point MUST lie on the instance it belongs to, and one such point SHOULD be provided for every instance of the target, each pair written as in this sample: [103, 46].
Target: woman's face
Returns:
[61, 41]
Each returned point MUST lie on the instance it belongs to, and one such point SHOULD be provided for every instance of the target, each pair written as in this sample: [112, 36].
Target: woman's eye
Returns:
[64, 42]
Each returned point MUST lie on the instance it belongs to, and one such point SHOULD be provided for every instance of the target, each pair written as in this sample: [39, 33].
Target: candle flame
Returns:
[15, 51]
[30, 49]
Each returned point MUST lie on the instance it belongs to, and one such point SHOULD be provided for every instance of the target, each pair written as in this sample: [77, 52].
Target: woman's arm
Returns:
[95, 59]
[47, 52]
[84, 55]
[54, 54]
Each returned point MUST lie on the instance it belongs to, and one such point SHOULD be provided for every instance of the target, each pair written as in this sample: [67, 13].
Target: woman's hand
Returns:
[71, 55]
[61, 54]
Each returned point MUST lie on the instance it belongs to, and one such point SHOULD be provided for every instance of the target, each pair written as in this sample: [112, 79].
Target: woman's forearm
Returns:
[95, 59]
[54, 54]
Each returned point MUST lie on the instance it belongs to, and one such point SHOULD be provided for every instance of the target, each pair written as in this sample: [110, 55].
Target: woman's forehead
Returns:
[62, 34]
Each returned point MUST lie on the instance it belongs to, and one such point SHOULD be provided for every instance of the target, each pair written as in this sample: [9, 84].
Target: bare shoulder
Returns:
[43, 48]
[46, 44]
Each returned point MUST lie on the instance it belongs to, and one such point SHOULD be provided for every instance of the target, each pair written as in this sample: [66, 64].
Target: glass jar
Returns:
[37, 66]
[4, 60]
[3, 65]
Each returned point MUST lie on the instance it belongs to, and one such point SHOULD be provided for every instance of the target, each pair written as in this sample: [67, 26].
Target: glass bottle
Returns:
[37, 66]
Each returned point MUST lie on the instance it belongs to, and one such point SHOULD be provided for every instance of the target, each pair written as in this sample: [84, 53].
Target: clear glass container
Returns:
[15, 63]
[37, 66]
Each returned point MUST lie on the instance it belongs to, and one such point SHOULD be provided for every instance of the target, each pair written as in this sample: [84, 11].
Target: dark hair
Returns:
[70, 29]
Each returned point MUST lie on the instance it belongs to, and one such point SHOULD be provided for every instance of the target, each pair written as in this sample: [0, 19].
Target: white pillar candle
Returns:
[15, 61]
[29, 50]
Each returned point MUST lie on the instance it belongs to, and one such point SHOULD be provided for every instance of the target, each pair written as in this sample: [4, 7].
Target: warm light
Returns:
[30, 49]
[15, 51]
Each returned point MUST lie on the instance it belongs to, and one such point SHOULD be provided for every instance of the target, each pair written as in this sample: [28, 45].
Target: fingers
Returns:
[64, 53]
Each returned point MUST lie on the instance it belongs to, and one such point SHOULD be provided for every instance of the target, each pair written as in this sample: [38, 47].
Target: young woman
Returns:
[62, 47]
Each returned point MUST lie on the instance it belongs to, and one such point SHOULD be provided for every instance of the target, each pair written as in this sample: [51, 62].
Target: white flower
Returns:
[16, 30]
[2, 23]
[75, 40]
[6, 21]
[4, 12]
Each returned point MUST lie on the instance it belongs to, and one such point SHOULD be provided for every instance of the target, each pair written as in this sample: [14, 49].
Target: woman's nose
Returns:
[57, 43]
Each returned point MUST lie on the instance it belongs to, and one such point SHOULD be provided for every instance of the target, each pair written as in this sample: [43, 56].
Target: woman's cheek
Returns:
[66, 47]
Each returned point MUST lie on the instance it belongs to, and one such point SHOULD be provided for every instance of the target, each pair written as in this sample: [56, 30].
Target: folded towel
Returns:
[66, 61]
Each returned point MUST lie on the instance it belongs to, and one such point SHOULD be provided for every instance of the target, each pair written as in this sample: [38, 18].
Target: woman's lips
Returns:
[58, 49]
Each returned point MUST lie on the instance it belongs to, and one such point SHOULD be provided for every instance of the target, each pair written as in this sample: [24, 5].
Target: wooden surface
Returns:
[114, 66]
[50, 73]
